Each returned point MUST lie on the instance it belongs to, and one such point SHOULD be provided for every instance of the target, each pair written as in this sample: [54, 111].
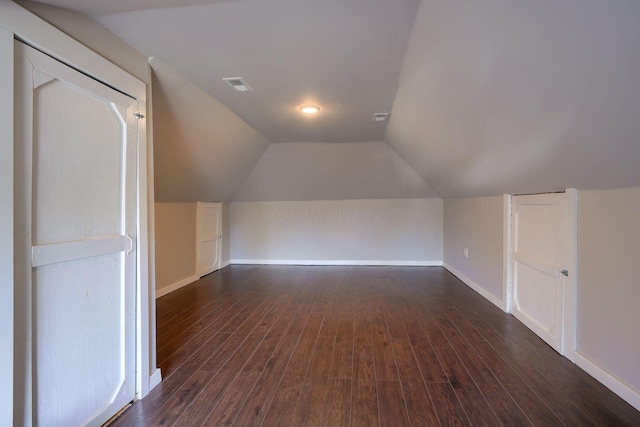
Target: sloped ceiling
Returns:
[203, 151]
[491, 96]
[330, 171]
[500, 96]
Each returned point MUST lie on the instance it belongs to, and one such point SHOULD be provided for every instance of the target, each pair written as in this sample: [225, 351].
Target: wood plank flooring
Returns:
[358, 346]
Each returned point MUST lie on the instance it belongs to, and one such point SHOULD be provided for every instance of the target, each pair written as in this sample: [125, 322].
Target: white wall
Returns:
[475, 224]
[175, 246]
[609, 285]
[405, 231]
[331, 171]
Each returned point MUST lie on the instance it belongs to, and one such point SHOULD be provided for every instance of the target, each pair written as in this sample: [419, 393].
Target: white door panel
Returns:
[80, 157]
[208, 237]
[537, 262]
[72, 301]
[69, 133]
[536, 297]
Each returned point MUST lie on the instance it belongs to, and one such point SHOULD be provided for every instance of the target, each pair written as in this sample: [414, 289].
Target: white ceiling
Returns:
[486, 97]
[344, 56]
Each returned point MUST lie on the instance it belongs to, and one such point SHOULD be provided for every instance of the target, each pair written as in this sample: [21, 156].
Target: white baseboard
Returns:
[155, 379]
[336, 262]
[175, 286]
[226, 263]
[473, 285]
[612, 383]
[618, 387]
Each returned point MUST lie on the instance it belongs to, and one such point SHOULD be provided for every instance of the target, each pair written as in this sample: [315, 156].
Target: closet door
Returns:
[208, 237]
[538, 272]
[76, 191]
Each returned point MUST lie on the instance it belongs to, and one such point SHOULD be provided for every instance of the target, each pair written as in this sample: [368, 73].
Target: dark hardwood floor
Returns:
[359, 346]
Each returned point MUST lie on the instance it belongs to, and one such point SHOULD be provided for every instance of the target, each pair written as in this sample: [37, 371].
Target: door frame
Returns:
[570, 257]
[17, 22]
[6, 226]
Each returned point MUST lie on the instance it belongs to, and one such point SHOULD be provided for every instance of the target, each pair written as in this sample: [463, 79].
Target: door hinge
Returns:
[138, 115]
[565, 273]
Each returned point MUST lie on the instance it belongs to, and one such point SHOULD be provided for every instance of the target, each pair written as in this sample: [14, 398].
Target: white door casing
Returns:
[208, 237]
[76, 178]
[538, 265]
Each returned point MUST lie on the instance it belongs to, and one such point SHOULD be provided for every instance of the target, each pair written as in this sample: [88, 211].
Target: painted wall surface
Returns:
[175, 243]
[608, 282]
[475, 224]
[331, 171]
[401, 231]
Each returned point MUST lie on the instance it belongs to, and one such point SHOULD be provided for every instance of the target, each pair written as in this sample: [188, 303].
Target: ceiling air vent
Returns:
[380, 117]
[238, 84]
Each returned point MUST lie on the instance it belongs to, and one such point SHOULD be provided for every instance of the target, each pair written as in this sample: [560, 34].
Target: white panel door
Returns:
[208, 237]
[537, 265]
[77, 174]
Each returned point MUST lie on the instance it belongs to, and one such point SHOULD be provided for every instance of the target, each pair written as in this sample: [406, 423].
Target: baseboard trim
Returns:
[337, 262]
[612, 383]
[226, 263]
[473, 285]
[174, 287]
[155, 379]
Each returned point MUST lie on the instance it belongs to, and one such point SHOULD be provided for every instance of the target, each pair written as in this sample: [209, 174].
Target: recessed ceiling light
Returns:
[309, 108]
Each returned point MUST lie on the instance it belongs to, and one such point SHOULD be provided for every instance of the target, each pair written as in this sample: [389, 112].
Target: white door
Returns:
[208, 237]
[75, 186]
[537, 265]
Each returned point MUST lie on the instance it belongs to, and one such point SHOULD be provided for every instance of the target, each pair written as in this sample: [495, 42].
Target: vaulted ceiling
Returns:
[486, 97]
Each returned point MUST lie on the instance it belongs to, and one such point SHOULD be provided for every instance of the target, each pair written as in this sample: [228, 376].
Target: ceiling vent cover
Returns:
[380, 117]
[238, 84]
